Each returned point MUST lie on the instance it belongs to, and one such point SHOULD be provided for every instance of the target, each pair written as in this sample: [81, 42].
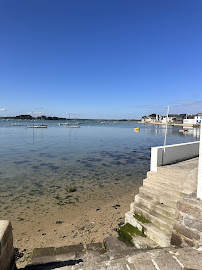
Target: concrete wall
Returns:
[173, 153]
[7, 253]
[199, 188]
[187, 229]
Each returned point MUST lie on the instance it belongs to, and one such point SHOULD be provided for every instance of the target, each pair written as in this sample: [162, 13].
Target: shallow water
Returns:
[39, 165]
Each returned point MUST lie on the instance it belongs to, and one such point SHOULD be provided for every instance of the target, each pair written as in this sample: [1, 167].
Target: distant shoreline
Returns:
[170, 124]
[64, 119]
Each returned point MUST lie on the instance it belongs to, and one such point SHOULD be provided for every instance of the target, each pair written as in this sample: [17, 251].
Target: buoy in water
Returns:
[137, 129]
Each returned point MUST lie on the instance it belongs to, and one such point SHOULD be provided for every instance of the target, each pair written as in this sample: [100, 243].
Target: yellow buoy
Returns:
[136, 129]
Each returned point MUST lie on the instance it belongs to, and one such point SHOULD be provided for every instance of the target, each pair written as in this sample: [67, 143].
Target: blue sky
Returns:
[100, 58]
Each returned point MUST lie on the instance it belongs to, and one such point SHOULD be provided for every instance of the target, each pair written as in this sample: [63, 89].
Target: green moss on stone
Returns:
[71, 189]
[141, 218]
[127, 232]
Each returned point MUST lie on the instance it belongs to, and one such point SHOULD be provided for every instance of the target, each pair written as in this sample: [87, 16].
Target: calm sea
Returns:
[39, 161]
[94, 146]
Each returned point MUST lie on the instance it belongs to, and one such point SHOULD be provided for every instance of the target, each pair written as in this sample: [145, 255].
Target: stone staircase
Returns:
[114, 255]
[157, 200]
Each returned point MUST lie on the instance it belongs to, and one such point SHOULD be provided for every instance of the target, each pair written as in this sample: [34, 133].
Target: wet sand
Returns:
[88, 216]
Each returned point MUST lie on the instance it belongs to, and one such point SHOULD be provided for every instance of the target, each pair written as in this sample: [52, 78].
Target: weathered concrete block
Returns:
[8, 265]
[7, 256]
[190, 258]
[52, 254]
[186, 231]
[193, 223]
[187, 228]
[165, 261]
[5, 232]
[190, 207]
[7, 253]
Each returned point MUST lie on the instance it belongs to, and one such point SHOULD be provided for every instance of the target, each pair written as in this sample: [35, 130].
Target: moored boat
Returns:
[73, 126]
[63, 124]
[38, 126]
[183, 130]
[16, 125]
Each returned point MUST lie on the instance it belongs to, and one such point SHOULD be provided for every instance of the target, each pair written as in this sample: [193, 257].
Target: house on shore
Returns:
[193, 119]
[157, 118]
[177, 118]
[152, 118]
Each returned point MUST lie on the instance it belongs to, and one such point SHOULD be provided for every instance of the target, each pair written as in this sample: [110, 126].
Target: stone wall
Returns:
[7, 253]
[187, 229]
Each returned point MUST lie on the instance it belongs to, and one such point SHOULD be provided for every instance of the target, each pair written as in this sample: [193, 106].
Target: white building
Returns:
[152, 118]
[194, 119]
[198, 118]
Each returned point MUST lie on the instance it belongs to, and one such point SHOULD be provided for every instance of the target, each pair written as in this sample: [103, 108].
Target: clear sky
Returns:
[100, 58]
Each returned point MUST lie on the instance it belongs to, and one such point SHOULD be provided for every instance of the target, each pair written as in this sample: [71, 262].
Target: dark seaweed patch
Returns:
[54, 168]
[35, 167]
[21, 162]
[50, 156]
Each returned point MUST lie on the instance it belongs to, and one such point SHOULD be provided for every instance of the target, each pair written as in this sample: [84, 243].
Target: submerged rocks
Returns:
[71, 189]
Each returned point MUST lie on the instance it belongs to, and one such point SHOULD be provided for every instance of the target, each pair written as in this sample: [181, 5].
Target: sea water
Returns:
[39, 164]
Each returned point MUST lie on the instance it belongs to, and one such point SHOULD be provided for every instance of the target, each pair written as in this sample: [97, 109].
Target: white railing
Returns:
[173, 153]
[199, 187]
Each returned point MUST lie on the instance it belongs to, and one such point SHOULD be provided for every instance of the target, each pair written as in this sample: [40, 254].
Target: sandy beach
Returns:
[90, 220]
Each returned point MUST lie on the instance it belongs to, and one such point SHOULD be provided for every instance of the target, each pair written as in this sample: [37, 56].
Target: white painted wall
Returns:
[173, 153]
[189, 121]
[199, 187]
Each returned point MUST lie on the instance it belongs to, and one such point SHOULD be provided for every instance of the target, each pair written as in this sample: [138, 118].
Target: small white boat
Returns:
[38, 126]
[16, 125]
[73, 126]
[63, 124]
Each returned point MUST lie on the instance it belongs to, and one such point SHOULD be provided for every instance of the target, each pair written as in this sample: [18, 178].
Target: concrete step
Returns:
[165, 210]
[153, 233]
[160, 192]
[185, 186]
[144, 243]
[180, 175]
[150, 204]
[168, 189]
[170, 177]
[168, 200]
[145, 200]
[165, 172]
[181, 187]
[161, 222]
[164, 259]
[175, 171]
[150, 173]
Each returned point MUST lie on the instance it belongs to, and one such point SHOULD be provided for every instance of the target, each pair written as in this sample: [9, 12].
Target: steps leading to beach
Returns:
[116, 256]
[157, 200]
